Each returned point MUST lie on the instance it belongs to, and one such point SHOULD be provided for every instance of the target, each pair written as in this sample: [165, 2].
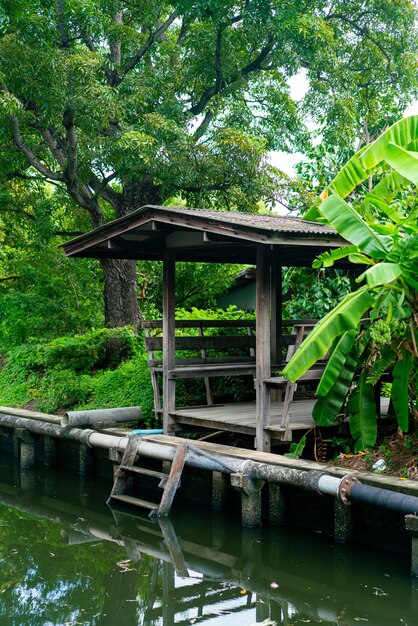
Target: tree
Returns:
[375, 327]
[121, 104]
[42, 293]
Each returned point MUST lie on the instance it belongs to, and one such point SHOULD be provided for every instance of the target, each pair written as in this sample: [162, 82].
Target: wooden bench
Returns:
[211, 353]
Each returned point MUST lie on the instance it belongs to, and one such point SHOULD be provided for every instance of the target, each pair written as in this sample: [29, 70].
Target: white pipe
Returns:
[98, 416]
[329, 485]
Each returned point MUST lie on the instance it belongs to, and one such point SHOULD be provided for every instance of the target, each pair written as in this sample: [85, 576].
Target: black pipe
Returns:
[393, 500]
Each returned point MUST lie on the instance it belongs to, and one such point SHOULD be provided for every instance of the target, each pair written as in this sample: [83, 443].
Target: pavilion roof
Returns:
[204, 235]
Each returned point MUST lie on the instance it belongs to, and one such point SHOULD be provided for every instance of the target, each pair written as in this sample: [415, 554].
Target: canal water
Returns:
[67, 559]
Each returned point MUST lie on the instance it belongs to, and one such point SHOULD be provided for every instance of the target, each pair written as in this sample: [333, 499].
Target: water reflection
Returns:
[66, 560]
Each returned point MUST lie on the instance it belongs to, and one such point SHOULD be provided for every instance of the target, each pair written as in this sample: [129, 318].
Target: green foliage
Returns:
[42, 294]
[231, 313]
[103, 368]
[313, 293]
[388, 333]
[190, 277]
[362, 410]
[228, 388]
[296, 449]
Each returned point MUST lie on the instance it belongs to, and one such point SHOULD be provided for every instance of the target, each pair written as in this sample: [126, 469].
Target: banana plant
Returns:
[373, 329]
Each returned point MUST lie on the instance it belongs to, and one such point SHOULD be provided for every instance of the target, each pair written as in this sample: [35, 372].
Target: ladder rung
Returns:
[143, 470]
[135, 502]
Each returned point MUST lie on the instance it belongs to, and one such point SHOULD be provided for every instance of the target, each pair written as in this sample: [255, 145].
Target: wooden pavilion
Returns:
[269, 242]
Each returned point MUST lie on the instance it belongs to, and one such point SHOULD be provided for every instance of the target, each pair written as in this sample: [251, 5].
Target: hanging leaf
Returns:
[329, 406]
[402, 133]
[375, 201]
[404, 162]
[336, 362]
[361, 259]
[388, 187]
[362, 408]
[399, 394]
[348, 178]
[381, 274]
[327, 259]
[352, 227]
[345, 316]
[296, 449]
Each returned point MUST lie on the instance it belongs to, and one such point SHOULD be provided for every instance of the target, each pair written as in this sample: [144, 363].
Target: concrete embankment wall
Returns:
[39, 438]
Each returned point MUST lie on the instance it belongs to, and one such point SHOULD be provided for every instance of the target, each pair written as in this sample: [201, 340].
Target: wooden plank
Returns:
[220, 342]
[222, 360]
[169, 330]
[143, 504]
[242, 323]
[276, 309]
[314, 374]
[263, 347]
[208, 388]
[242, 369]
[143, 471]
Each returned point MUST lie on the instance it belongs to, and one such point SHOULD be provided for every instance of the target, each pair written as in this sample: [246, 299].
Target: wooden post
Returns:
[169, 347]
[276, 310]
[263, 357]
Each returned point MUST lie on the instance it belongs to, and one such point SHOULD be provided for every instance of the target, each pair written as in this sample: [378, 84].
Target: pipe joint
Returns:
[344, 489]
[245, 484]
[85, 436]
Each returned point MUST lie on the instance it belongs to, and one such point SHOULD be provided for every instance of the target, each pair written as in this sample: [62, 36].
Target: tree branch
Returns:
[214, 187]
[8, 278]
[70, 171]
[53, 146]
[361, 29]
[183, 32]
[102, 190]
[155, 36]
[115, 47]
[19, 212]
[33, 160]
[62, 27]
[254, 66]
[201, 129]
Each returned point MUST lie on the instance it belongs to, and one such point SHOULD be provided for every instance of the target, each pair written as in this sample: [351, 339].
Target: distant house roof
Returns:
[204, 235]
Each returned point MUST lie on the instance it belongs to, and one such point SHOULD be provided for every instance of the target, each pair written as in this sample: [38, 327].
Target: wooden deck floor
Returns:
[240, 418]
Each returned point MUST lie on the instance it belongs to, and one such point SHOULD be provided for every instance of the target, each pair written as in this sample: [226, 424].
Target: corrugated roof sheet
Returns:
[269, 222]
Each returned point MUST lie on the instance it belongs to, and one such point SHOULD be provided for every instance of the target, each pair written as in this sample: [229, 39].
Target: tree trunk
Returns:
[120, 279]
[120, 293]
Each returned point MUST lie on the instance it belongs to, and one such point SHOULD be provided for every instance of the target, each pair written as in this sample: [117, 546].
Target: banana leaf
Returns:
[336, 362]
[327, 259]
[360, 259]
[399, 394]
[328, 407]
[352, 227]
[348, 178]
[381, 274]
[404, 162]
[388, 186]
[402, 133]
[345, 316]
[362, 409]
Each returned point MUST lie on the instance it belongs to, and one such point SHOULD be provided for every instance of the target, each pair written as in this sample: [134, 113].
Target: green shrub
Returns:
[61, 389]
[102, 368]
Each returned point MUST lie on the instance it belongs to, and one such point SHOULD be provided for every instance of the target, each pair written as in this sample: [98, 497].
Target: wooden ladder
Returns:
[168, 482]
